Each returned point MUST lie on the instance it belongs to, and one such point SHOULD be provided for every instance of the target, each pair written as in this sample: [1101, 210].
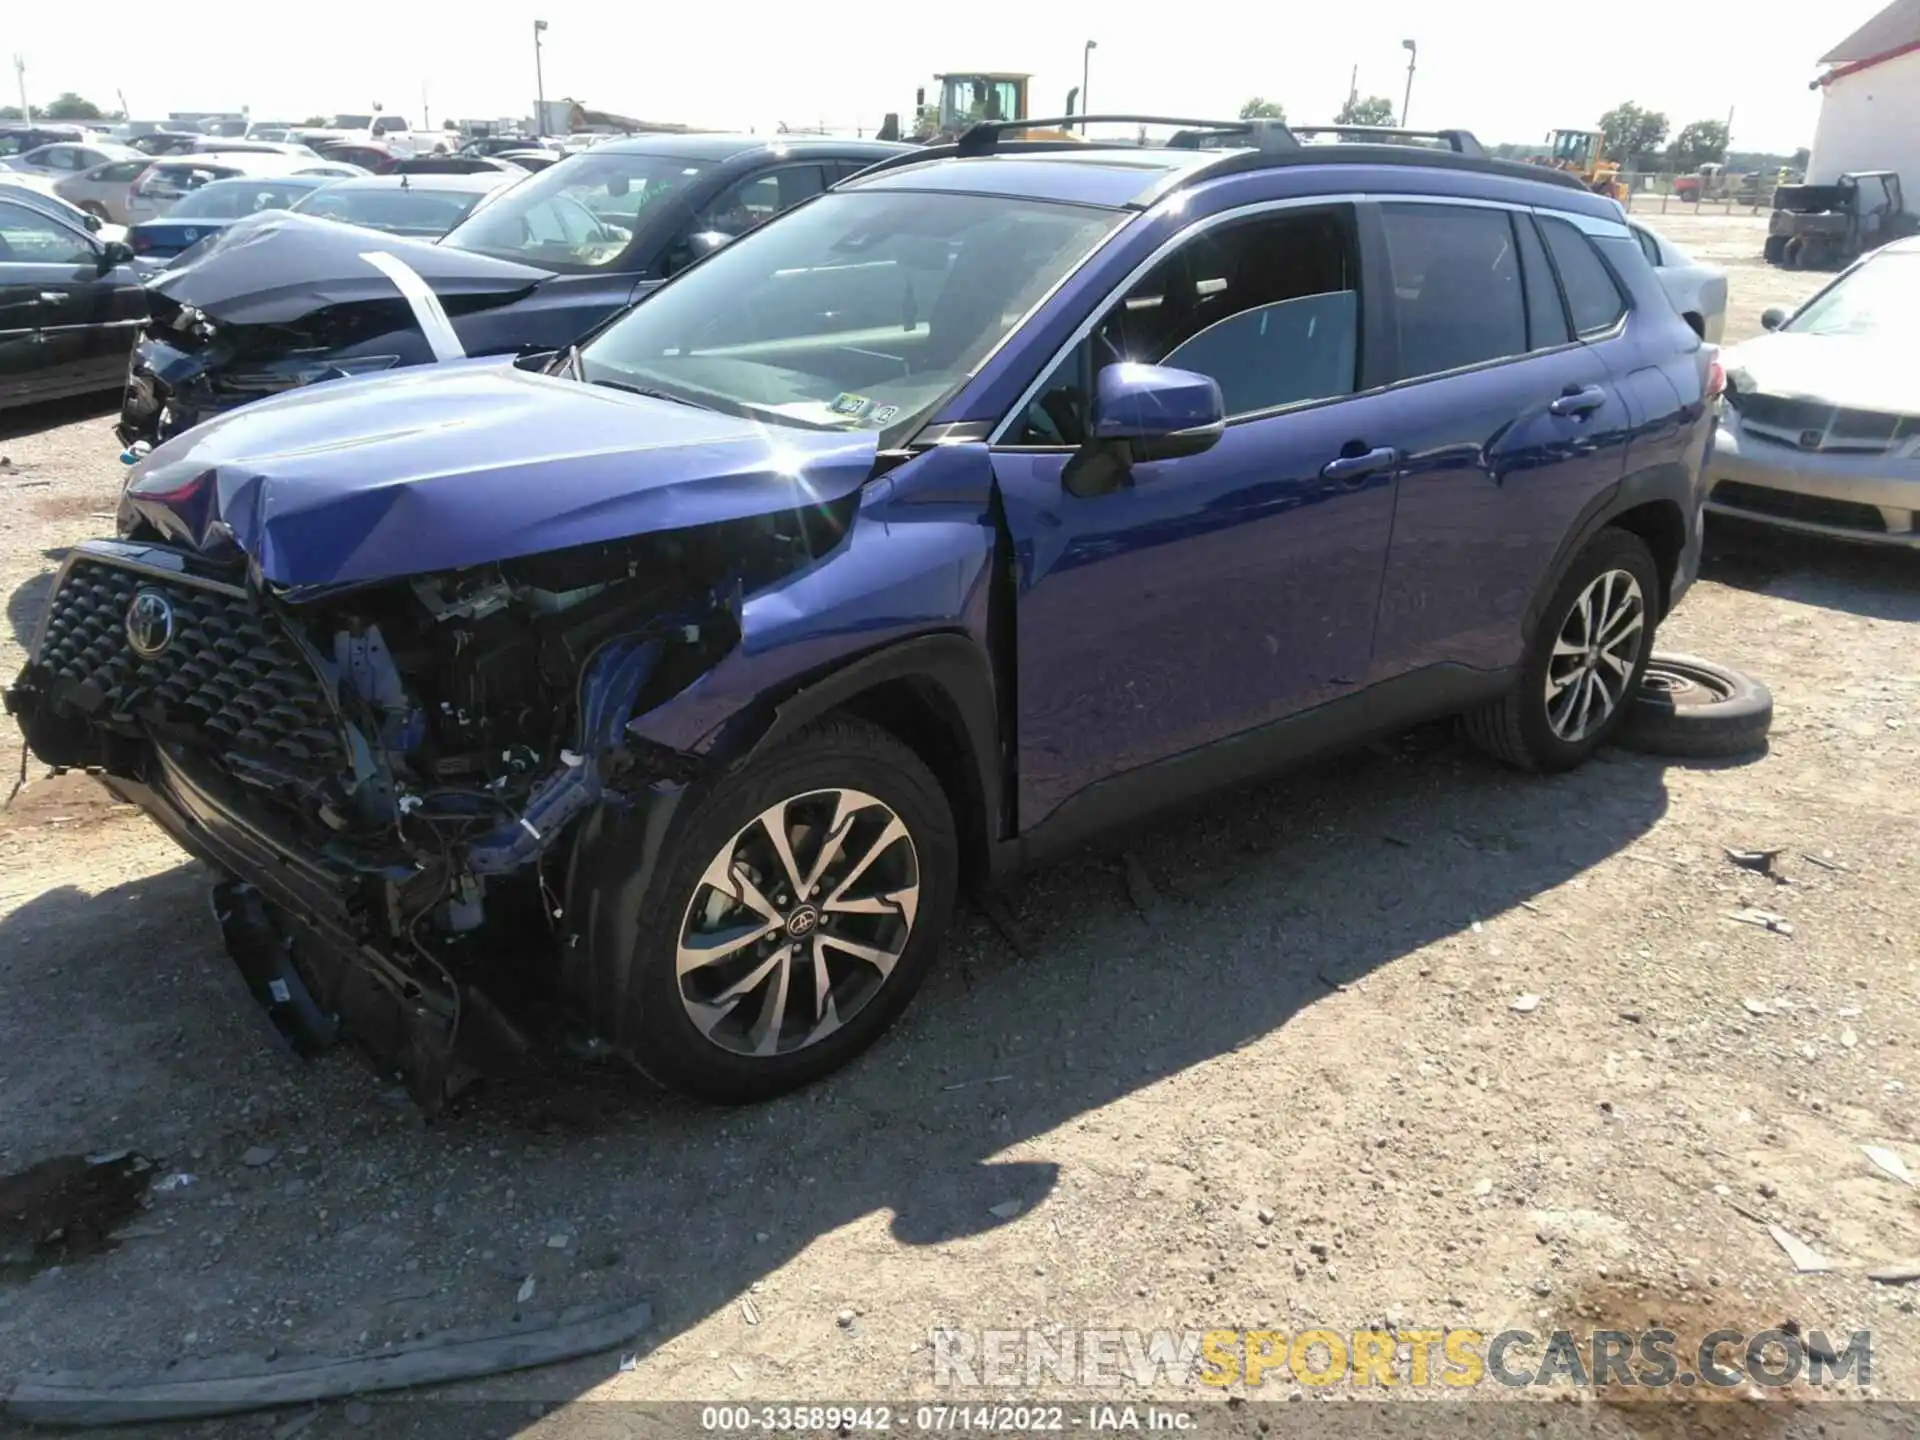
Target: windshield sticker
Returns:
[851, 406]
[883, 413]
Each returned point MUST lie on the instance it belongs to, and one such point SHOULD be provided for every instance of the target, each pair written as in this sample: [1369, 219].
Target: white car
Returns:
[388, 130]
[169, 177]
[1698, 290]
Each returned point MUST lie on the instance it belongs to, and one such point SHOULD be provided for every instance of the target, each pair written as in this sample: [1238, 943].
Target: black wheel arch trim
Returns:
[616, 853]
[1669, 481]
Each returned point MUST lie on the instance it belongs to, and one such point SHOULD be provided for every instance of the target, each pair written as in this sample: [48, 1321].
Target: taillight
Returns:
[1716, 377]
[141, 243]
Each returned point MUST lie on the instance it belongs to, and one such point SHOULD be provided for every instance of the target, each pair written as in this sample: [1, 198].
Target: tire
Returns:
[805, 778]
[1695, 709]
[1534, 729]
[1775, 250]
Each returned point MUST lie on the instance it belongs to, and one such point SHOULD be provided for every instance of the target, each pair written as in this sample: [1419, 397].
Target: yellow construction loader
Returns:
[1583, 153]
[965, 99]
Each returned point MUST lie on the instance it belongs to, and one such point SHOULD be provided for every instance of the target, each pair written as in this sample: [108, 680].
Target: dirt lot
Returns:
[1281, 1082]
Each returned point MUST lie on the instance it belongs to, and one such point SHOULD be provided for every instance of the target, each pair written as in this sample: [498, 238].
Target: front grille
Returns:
[229, 681]
[1865, 431]
[1790, 505]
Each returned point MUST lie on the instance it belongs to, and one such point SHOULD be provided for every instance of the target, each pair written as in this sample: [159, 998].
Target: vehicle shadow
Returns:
[50, 414]
[1874, 582]
[1212, 931]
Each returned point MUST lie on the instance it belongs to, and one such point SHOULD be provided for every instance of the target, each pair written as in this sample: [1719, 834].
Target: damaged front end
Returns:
[280, 300]
[385, 772]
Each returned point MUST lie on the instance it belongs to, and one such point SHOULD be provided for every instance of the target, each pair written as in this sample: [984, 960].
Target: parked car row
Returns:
[681, 670]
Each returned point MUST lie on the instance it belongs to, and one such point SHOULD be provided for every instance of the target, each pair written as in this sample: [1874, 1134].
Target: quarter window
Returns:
[1269, 308]
[1593, 298]
[1546, 316]
[1456, 277]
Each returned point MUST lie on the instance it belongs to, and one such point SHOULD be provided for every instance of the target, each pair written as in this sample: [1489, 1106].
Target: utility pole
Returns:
[539, 86]
[1413, 56]
[20, 74]
[426, 112]
[1353, 88]
[126, 112]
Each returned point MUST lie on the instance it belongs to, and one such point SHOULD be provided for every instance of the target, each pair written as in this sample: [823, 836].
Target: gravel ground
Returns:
[1266, 1068]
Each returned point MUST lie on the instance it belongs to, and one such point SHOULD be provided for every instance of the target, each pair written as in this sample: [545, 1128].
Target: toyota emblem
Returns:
[149, 624]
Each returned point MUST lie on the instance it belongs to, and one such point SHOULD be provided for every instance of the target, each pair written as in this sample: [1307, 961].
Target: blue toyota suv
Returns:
[1003, 493]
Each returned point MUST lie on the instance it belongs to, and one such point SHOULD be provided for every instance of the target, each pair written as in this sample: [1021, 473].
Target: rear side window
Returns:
[1593, 297]
[1456, 276]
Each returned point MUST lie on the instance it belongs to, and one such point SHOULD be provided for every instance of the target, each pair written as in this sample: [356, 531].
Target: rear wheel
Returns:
[1585, 661]
[805, 905]
[1775, 249]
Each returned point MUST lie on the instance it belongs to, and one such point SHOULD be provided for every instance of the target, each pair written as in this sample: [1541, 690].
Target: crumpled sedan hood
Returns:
[470, 462]
[277, 267]
[1854, 372]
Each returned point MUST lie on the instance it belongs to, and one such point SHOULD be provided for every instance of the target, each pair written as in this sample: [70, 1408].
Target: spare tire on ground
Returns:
[1694, 708]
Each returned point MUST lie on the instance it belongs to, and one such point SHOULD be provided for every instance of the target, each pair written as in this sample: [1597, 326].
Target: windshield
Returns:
[577, 215]
[857, 311]
[420, 213]
[350, 122]
[1881, 298]
[230, 199]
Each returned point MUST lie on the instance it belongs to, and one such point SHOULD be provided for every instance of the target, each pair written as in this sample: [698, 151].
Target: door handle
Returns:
[1580, 403]
[53, 297]
[1354, 470]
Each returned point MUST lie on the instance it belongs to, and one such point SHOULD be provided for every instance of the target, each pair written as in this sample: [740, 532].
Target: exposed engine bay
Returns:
[402, 760]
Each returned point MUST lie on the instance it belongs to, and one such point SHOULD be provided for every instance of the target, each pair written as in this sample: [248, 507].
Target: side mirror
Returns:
[92, 222]
[1158, 412]
[1772, 318]
[696, 246]
[113, 253]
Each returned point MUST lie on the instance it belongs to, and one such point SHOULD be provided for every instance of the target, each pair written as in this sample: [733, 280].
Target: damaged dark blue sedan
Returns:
[674, 683]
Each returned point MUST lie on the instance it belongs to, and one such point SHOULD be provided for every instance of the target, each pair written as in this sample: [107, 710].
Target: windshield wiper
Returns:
[650, 394]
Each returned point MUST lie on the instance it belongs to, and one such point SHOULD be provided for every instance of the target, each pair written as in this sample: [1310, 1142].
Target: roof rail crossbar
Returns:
[1461, 142]
[983, 137]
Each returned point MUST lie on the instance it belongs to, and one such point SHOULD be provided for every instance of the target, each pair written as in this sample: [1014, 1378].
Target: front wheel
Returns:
[1585, 661]
[1775, 250]
[808, 898]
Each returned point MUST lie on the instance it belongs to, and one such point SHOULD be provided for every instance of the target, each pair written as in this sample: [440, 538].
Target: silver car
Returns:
[1822, 428]
[102, 191]
[69, 158]
[1698, 290]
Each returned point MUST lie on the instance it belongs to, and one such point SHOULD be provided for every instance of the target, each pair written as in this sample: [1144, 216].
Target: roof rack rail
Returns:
[1461, 142]
[1269, 136]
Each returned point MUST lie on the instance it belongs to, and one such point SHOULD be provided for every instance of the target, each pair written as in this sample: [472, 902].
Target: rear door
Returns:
[1510, 422]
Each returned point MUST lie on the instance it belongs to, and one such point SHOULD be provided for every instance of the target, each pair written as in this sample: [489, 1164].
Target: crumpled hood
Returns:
[1854, 372]
[469, 462]
[276, 267]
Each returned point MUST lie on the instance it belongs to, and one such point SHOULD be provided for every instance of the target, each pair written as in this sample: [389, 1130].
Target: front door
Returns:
[1209, 595]
[50, 272]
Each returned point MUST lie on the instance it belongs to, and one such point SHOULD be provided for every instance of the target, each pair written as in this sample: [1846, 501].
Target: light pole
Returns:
[539, 86]
[1086, 65]
[1413, 56]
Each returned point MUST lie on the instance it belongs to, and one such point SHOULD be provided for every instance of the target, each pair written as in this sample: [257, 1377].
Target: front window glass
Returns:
[32, 239]
[420, 213]
[578, 215]
[859, 311]
[1882, 297]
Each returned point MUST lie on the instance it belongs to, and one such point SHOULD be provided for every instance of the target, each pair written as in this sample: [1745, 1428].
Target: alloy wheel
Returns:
[797, 924]
[1594, 655]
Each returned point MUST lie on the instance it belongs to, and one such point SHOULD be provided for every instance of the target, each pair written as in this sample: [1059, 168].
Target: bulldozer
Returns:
[1583, 153]
[967, 98]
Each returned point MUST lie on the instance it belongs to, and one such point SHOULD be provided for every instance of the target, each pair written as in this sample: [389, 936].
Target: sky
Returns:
[1501, 68]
